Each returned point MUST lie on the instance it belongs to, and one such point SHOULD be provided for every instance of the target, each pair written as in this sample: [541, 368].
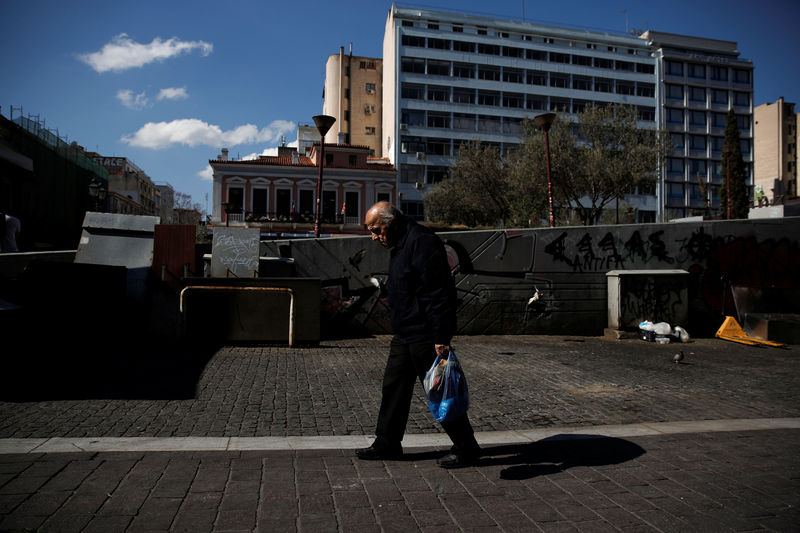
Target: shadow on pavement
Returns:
[558, 453]
[71, 341]
[140, 370]
[84, 331]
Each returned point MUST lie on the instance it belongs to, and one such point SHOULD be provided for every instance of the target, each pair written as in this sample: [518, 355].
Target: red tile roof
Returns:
[373, 163]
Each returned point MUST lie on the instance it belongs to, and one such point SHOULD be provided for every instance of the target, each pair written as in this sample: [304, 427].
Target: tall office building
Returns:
[776, 143]
[352, 95]
[450, 78]
[700, 80]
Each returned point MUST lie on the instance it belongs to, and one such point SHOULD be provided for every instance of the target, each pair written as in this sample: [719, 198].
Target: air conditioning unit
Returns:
[420, 155]
[418, 185]
[403, 127]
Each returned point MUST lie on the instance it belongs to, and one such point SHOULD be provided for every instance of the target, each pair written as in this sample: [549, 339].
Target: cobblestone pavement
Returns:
[730, 481]
[334, 389]
[738, 480]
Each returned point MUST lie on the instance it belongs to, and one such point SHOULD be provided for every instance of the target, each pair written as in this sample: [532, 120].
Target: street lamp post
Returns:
[226, 208]
[544, 121]
[323, 123]
[728, 172]
[96, 193]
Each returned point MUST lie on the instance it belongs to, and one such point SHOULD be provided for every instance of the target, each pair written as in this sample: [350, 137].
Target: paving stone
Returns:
[194, 521]
[233, 520]
[564, 396]
[239, 501]
[678, 482]
[106, 523]
[65, 522]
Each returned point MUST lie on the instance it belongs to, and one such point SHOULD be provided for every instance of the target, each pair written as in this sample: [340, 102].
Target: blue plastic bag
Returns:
[446, 389]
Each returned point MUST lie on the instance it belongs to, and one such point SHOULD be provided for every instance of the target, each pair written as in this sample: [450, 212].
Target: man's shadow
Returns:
[553, 454]
[558, 453]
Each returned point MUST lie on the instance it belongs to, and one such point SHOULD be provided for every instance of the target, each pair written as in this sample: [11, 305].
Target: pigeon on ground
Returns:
[678, 357]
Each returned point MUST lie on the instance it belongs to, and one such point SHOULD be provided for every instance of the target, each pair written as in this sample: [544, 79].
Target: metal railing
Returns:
[297, 218]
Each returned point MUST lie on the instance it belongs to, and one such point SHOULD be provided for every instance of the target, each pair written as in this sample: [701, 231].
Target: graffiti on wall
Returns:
[554, 280]
[660, 298]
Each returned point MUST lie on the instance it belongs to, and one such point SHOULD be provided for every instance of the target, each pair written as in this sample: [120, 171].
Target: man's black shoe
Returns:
[379, 451]
[460, 459]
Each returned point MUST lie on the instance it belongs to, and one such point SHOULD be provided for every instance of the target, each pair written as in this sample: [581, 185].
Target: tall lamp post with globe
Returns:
[323, 123]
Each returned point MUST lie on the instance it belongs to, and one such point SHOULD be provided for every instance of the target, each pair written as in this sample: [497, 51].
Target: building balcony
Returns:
[296, 222]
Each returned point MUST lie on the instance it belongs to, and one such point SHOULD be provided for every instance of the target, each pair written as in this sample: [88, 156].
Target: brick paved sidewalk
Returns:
[334, 389]
[721, 481]
[725, 481]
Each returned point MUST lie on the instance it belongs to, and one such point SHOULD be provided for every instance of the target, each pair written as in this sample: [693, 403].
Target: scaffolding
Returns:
[68, 151]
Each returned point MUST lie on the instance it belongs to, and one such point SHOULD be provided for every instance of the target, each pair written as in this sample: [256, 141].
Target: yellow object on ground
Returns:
[730, 330]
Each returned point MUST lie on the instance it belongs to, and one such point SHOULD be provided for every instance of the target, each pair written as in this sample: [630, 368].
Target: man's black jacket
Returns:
[422, 292]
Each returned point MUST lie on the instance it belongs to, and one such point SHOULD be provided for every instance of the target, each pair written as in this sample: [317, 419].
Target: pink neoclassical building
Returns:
[278, 193]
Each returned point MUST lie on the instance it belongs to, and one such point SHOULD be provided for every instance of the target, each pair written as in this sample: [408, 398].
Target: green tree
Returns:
[617, 156]
[476, 194]
[733, 162]
[527, 184]
[592, 163]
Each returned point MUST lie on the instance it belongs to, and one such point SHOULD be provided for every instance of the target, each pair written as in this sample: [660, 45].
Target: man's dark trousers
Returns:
[408, 363]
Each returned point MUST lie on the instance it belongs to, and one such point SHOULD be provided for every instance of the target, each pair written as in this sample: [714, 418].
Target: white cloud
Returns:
[131, 101]
[123, 53]
[194, 132]
[273, 151]
[172, 93]
[207, 174]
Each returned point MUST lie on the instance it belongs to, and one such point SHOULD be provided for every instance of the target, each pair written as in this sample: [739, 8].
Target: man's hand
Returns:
[442, 349]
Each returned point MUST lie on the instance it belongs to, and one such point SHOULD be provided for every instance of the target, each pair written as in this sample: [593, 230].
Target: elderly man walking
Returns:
[422, 298]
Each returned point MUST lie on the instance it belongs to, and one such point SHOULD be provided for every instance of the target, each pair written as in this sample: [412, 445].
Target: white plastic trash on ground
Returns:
[662, 332]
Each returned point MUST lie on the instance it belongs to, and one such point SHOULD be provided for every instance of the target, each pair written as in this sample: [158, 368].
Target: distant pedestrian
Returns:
[10, 227]
[422, 298]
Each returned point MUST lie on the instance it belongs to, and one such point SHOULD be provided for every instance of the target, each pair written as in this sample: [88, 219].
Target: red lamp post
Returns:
[544, 121]
[323, 123]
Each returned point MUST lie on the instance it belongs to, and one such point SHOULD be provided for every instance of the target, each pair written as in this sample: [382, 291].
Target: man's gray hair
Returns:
[387, 213]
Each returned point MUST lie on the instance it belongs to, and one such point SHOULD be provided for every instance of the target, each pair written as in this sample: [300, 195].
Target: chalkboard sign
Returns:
[234, 252]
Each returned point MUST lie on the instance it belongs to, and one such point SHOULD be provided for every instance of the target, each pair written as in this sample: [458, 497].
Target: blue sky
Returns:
[170, 83]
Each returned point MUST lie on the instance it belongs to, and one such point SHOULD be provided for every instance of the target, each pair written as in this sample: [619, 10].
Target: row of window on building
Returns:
[702, 119]
[299, 207]
[704, 96]
[677, 168]
[701, 143]
[521, 76]
[718, 73]
[530, 54]
[676, 195]
[505, 99]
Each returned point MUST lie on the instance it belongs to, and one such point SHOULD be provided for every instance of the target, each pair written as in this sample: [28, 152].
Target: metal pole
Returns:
[549, 183]
[728, 169]
[319, 186]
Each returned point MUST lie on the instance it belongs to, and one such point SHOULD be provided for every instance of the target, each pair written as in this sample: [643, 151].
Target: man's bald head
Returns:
[381, 220]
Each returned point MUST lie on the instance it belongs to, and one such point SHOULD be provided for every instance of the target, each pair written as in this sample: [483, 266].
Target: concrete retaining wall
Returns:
[553, 280]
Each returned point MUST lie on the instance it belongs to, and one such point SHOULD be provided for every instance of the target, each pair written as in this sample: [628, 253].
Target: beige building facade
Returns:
[128, 180]
[776, 143]
[353, 96]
